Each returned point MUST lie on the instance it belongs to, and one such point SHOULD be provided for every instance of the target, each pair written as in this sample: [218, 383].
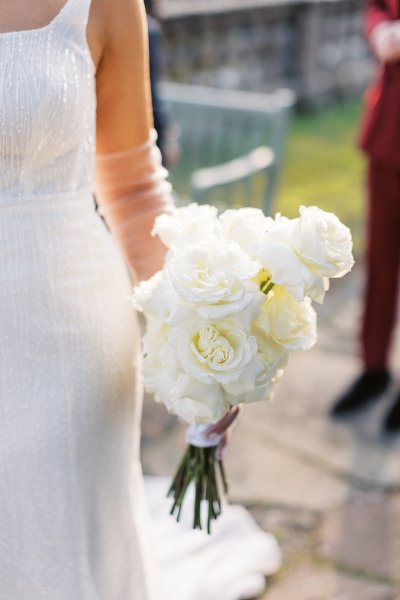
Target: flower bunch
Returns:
[233, 302]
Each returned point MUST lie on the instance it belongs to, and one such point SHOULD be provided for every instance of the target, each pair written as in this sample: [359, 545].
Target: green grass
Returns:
[323, 166]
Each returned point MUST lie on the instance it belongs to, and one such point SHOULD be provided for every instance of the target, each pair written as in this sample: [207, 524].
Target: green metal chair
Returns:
[231, 143]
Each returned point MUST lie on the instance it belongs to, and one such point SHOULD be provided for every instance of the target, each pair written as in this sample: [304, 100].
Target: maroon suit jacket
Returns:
[380, 126]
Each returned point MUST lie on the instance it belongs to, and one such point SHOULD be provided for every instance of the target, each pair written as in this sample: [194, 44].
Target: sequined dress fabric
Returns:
[72, 511]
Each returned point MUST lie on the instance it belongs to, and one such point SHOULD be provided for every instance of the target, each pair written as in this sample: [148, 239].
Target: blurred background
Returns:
[258, 103]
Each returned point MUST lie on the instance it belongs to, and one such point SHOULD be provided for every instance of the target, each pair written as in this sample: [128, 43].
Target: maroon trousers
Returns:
[382, 261]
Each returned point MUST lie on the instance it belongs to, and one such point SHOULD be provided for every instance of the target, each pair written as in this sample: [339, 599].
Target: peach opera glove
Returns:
[131, 190]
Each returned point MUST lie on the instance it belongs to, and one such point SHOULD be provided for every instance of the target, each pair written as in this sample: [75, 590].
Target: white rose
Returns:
[301, 253]
[157, 297]
[286, 269]
[322, 242]
[187, 225]
[196, 402]
[252, 377]
[215, 276]
[158, 379]
[273, 360]
[261, 392]
[246, 226]
[155, 342]
[274, 357]
[213, 351]
[184, 396]
[288, 323]
[160, 382]
[145, 293]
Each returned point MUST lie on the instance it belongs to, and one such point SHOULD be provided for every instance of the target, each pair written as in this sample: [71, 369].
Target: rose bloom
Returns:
[290, 324]
[157, 377]
[285, 267]
[156, 297]
[146, 294]
[322, 242]
[193, 401]
[273, 358]
[198, 403]
[300, 254]
[213, 351]
[246, 226]
[187, 225]
[214, 276]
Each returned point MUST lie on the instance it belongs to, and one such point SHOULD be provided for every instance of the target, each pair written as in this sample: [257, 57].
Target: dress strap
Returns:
[75, 13]
[71, 24]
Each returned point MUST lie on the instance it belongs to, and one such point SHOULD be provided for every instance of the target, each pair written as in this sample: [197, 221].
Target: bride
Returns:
[73, 515]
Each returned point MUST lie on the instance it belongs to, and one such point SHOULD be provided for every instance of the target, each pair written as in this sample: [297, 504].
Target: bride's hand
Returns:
[222, 428]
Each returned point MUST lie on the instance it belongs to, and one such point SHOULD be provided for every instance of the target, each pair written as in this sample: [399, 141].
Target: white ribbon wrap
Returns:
[196, 436]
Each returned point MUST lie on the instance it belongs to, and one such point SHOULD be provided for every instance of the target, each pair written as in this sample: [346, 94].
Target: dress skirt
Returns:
[73, 522]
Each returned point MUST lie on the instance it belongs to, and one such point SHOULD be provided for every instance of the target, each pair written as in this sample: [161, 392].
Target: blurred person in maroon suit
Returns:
[380, 140]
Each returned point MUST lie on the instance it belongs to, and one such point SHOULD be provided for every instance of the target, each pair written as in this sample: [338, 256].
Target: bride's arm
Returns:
[130, 181]
[131, 186]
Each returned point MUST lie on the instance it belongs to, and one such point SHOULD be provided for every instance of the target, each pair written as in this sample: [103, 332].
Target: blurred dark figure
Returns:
[156, 51]
[380, 140]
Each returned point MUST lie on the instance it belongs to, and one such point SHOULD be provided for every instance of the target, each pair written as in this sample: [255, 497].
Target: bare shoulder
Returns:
[114, 21]
[124, 114]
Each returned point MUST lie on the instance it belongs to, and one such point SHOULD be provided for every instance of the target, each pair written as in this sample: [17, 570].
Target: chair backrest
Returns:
[218, 125]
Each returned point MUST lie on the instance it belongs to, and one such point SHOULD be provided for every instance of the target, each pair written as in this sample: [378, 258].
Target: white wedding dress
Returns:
[73, 515]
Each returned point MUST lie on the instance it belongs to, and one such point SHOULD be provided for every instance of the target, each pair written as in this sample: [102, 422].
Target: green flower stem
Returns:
[266, 286]
[199, 467]
[223, 476]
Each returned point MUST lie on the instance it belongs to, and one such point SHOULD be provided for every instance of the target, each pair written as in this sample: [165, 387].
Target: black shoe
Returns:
[365, 388]
[391, 423]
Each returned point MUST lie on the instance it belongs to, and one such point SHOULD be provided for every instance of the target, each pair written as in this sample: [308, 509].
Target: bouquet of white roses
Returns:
[233, 301]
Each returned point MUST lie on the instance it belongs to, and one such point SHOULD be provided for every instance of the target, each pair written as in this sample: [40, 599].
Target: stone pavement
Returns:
[329, 490]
